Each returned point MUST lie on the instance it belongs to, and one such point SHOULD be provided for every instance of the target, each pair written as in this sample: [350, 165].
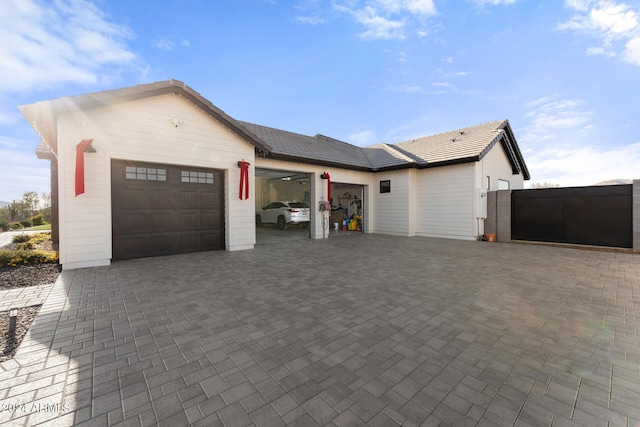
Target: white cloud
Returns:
[548, 114]
[600, 51]
[21, 171]
[407, 89]
[580, 5]
[310, 20]
[493, 2]
[45, 43]
[632, 51]
[379, 27]
[167, 44]
[419, 7]
[608, 21]
[585, 165]
[363, 138]
[387, 19]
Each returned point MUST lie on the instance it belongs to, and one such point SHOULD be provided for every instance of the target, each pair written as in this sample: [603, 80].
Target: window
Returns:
[145, 174]
[196, 177]
[503, 185]
[385, 186]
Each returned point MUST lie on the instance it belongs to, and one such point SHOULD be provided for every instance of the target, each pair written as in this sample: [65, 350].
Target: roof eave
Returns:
[317, 162]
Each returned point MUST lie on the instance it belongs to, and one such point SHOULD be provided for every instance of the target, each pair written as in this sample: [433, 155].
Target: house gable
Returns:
[43, 115]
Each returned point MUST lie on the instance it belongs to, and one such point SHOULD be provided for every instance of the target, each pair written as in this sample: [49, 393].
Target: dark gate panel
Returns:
[165, 209]
[600, 216]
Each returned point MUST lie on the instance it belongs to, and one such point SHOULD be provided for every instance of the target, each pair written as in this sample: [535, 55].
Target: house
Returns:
[157, 169]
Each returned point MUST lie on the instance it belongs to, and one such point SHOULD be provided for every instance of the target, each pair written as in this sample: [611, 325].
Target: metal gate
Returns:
[600, 216]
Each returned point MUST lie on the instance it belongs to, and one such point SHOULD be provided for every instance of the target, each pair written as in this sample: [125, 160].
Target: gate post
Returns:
[636, 215]
[503, 213]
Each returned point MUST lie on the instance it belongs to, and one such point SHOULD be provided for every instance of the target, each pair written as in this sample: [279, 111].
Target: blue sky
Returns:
[565, 73]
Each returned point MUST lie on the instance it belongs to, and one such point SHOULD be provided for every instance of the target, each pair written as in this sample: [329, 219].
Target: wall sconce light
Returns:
[177, 122]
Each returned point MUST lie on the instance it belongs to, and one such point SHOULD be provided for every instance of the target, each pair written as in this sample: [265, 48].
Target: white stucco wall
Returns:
[391, 212]
[143, 131]
[445, 202]
[495, 164]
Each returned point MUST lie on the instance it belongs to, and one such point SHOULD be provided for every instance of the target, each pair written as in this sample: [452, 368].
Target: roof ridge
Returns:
[449, 131]
[405, 154]
[272, 128]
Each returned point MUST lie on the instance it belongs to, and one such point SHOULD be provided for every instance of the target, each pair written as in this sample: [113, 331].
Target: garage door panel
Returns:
[155, 212]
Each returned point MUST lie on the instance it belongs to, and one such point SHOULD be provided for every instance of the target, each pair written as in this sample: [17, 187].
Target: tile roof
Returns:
[463, 143]
[458, 146]
[317, 148]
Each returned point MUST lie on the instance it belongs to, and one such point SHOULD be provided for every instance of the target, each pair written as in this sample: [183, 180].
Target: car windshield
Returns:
[298, 205]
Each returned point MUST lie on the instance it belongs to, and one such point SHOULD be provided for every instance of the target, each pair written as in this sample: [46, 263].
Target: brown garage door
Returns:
[162, 209]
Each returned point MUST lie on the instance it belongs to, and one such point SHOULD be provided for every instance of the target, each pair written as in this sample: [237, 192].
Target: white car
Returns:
[284, 213]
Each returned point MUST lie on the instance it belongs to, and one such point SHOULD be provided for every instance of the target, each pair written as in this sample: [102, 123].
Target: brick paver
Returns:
[371, 330]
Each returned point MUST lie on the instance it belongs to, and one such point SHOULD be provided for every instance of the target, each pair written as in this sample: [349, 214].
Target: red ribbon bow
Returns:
[244, 179]
[82, 145]
[328, 178]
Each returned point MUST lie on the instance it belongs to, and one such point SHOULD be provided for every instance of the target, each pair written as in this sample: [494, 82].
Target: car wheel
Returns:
[258, 221]
[305, 225]
[281, 222]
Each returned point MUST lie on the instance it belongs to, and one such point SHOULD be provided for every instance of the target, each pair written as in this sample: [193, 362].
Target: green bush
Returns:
[16, 226]
[29, 241]
[21, 238]
[26, 223]
[37, 238]
[14, 258]
[4, 225]
[38, 220]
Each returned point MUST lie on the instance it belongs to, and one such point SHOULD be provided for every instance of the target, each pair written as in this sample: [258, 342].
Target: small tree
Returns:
[46, 200]
[14, 209]
[544, 185]
[30, 203]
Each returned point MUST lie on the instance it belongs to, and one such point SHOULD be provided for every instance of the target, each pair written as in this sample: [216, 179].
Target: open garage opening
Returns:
[283, 205]
[347, 209]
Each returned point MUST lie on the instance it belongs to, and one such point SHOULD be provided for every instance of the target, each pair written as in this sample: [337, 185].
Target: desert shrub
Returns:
[30, 241]
[14, 258]
[21, 238]
[37, 238]
[26, 246]
[16, 226]
[38, 220]
[4, 225]
[26, 223]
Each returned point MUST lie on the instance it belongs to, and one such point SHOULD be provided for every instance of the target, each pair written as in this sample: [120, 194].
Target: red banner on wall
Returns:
[82, 145]
[244, 179]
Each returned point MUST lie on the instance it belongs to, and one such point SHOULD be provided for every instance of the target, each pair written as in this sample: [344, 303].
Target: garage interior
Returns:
[347, 209]
[280, 186]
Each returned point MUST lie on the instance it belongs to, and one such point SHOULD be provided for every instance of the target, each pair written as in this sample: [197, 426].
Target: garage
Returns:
[347, 209]
[160, 209]
[282, 205]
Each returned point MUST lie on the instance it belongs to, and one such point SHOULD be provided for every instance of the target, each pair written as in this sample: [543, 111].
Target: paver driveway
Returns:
[373, 330]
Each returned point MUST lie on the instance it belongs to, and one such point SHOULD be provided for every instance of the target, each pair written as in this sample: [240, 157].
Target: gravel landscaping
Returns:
[28, 275]
[25, 317]
[18, 277]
